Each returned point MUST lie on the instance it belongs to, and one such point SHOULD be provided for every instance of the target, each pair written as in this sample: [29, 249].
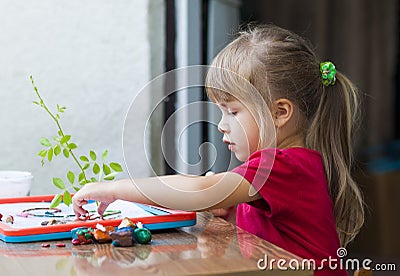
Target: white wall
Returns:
[91, 56]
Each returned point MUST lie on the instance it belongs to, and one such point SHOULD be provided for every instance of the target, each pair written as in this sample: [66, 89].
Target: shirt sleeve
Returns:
[271, 172]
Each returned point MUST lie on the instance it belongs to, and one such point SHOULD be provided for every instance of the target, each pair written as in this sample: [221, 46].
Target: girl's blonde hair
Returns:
[280, 64]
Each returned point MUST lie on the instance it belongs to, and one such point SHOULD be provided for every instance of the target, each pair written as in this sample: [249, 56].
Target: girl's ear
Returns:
[283, 112]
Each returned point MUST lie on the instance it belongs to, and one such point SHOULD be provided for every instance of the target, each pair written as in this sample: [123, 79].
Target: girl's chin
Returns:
[241, 157]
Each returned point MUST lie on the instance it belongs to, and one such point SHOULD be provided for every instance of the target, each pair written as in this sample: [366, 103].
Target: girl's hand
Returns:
[228, 214]
[101, 192]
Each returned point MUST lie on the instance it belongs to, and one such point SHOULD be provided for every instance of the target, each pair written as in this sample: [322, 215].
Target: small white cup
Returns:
[15, 183]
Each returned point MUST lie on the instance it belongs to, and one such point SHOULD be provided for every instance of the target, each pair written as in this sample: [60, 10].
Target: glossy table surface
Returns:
[212, 246]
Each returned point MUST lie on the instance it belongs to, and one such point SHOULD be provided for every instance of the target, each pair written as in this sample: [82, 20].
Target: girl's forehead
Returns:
[226, 103]
[230, 104]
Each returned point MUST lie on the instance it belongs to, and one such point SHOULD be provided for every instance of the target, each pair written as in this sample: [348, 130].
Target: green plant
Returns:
[99, 170]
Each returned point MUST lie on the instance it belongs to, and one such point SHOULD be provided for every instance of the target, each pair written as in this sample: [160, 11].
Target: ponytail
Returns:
[330, 132]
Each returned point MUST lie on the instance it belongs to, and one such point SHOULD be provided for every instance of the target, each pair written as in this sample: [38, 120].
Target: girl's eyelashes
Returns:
[228, 110]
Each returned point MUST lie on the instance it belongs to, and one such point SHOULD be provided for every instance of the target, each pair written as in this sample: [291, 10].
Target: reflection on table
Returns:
[212, 246]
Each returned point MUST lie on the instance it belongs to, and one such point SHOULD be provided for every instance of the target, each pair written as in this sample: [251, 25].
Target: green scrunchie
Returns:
[328, 71]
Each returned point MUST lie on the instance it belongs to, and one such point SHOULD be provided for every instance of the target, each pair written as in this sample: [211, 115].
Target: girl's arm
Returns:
[181, 192]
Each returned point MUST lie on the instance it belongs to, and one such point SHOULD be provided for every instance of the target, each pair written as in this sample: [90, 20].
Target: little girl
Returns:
[290, 119]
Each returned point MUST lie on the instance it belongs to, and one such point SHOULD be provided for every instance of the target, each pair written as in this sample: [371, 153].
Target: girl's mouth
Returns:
[230, 144]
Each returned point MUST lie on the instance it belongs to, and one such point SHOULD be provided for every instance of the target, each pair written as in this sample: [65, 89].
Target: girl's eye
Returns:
[232, 112]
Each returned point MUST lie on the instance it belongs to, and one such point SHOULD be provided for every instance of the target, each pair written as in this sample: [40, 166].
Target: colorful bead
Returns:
[24, 214]
[82, 235]
[75, 230]
[52, 222]
[122, 237]
[103, 236]
[45, 244]
[60, 244]
[85, 236]
[76, 242]
[142, 235]
[10, 219]
[126, 222]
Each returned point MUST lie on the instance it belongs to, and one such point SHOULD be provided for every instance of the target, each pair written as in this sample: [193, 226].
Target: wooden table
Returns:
[212, 246]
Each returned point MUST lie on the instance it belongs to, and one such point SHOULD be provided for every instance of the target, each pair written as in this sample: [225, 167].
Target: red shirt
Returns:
[296, 211]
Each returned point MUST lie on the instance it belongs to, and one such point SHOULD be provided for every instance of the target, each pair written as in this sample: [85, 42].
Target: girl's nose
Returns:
[223, 128]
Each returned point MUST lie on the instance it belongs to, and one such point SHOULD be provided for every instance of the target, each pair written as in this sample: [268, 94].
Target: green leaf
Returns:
[42, 153]
[93, 155]
[86, 166]
[66, 153]
[45, 142]
[50, 154]
[93, 179]
[65, 139]
[35, 102]
[106, 169]
[72, 146]
[84, 158]
[116, 167]
[67, 198]
[83, 182]
[57, 150]
[61, 109]
[56, 201]
[58, 183]
[104, 155]
[76, 188]
[96, 168]
[71, 177]
[81, 177]
[110, 176]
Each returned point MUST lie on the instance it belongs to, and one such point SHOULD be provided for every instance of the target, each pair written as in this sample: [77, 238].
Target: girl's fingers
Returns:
[78, 207]
[91, 191]
[102, 208]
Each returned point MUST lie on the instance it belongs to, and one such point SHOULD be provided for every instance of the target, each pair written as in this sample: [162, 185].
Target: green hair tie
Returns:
[328, 71]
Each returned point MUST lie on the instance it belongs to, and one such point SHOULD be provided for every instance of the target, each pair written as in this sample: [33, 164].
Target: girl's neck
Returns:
[291, 141]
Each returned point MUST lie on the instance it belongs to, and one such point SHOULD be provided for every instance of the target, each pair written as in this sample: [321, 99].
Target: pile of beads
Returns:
[126, 234]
